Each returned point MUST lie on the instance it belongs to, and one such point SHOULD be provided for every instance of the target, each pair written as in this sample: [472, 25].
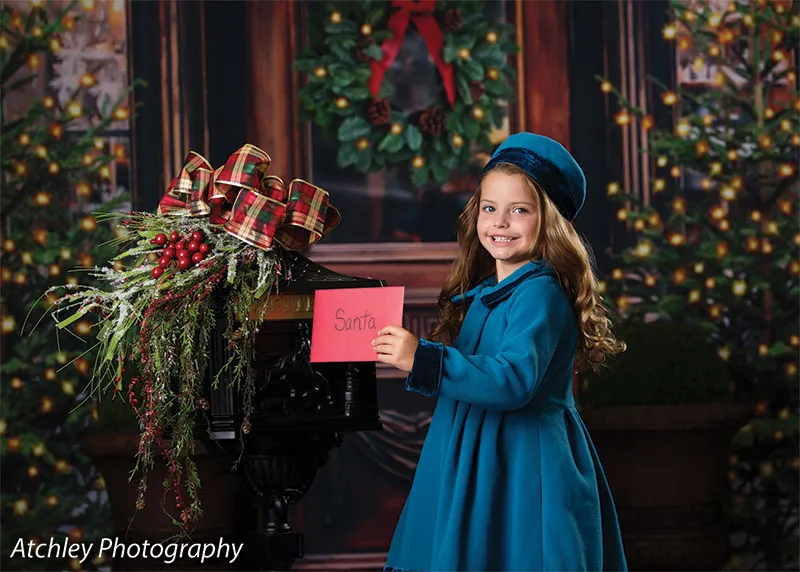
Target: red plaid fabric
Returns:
[255, 218]
[187, 187]
[249, 203]
[309, 217]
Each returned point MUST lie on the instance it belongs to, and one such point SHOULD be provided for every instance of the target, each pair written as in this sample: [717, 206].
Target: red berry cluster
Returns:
[177, 249]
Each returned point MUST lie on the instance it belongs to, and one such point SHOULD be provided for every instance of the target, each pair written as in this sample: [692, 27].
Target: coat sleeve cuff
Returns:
[426, 374]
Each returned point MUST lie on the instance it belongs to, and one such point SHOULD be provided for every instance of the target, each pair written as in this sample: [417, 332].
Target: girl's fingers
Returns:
[392, 330]
[384, 340]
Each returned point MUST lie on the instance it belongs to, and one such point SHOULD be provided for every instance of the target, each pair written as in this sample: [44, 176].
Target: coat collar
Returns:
[490, 292]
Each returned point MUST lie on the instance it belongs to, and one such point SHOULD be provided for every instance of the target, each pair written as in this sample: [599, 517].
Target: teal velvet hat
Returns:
[549, 164]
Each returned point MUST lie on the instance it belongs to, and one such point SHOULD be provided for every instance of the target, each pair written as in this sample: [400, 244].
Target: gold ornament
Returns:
[320, 72]
[606, 86]
[336, 17]
[418, 162]
[87, 79]
[491, 37]
[396, 129]
[492, 73]
[458, 141]
[362, 144]
[477, 113]
[463, 53]
[366, 29]
[342, 103]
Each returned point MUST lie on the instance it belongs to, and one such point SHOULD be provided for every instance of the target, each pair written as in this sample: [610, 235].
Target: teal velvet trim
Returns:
[426, 374]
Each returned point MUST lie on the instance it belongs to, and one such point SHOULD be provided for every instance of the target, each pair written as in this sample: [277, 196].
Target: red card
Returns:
[346, 320]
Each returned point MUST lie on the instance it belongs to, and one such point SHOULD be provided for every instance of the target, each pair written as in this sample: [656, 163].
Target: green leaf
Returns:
[440, 171]
[419, 176]
[353, 128]
[414, 138]
[364, 160]
[374, 51]
[374, 16]
[342, 53]
[463, 89]
[343, 27]
[391, 143]
[471, 128]
[473, 69]
[450, 53]
[348, 155]
[356, 92]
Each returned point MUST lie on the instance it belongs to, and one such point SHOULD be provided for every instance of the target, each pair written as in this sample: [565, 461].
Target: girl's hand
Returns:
[396, 346]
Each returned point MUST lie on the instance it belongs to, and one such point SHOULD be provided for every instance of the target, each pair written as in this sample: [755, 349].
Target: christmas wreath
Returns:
[351, 48]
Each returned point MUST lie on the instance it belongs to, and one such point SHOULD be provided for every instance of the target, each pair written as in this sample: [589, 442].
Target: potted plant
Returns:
[662, 418]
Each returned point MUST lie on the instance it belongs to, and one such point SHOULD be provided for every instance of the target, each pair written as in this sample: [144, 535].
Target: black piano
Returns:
[300, 411]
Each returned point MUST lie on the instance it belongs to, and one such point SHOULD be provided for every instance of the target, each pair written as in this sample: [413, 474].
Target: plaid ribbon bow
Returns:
[250, 204]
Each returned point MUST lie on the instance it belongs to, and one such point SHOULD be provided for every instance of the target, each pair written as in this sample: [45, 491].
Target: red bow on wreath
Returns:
[250, 204]
[421, 13]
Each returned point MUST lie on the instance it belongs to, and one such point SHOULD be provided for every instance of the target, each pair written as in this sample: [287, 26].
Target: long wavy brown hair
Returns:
[557, 244]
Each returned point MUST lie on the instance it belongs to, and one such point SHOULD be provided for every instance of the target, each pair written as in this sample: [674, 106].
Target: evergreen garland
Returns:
[155, 315]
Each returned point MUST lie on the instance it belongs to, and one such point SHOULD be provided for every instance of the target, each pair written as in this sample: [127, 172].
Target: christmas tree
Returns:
[716, 240]
[56, 169]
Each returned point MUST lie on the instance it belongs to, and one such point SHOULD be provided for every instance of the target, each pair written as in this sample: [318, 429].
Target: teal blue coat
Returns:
[508, 478]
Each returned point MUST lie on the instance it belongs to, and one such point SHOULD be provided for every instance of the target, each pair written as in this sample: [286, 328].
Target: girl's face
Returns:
[508, 221]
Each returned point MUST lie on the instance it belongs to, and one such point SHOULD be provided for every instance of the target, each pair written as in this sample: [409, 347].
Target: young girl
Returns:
[508, 478]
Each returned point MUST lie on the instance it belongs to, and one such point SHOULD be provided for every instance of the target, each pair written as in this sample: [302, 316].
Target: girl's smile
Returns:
[508, 221]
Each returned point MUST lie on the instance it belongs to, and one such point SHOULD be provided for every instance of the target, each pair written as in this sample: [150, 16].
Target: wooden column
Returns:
[544, 75]
[272, 104]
